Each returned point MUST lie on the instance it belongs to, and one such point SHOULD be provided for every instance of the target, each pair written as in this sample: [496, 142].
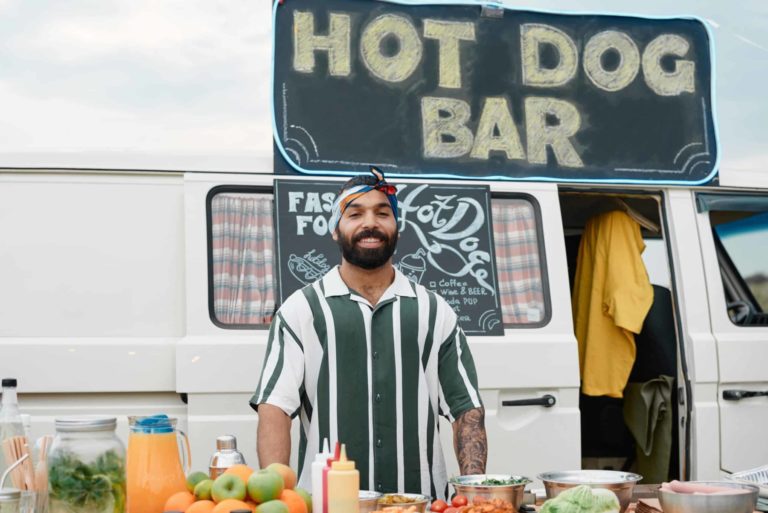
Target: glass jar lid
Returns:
[9, 494]
[74, 424]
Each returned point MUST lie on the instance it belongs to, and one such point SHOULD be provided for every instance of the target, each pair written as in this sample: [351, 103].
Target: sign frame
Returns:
[285, 164]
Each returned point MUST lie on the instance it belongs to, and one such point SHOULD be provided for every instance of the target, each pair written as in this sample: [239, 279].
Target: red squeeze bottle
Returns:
[336, 457]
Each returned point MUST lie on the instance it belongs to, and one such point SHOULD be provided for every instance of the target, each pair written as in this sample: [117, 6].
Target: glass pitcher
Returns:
[156, 465]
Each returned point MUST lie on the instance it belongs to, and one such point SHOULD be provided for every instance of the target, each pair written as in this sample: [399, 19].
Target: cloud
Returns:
[145, 76]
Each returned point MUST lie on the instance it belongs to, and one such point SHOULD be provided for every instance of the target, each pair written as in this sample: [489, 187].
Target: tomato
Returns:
[438, 506]
[458, 501]
[451, 510]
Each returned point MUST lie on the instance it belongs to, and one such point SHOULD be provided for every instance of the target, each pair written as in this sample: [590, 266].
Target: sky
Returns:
[175, 84]
[154, 77]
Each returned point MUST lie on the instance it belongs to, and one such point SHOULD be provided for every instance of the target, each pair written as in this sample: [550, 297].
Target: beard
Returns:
[367, 258]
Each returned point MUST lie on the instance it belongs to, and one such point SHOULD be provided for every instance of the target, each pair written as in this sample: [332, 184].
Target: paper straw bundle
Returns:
[15, 448]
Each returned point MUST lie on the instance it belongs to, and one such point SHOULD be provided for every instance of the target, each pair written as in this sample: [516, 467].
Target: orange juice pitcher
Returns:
[156, 463]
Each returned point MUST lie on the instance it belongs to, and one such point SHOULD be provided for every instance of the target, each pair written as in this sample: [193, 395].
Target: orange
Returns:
[179, 501]
[307, 498]
[289, 476]
[201, 507]
[294, 501]
[228, 505]
[241, 471]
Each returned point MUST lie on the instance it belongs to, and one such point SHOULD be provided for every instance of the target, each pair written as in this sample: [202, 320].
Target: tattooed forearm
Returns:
[470, 442]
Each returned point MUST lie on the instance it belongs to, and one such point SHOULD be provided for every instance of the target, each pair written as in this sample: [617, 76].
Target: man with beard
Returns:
[368, 358]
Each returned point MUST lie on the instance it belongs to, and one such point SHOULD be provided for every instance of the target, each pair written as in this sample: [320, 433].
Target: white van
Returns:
[114, 151]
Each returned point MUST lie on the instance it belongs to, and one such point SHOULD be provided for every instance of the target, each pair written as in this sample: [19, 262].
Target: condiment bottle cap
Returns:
[343, 463]
[325, 454]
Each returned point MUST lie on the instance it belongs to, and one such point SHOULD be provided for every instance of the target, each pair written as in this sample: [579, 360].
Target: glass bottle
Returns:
[86, 467]
[10, 418]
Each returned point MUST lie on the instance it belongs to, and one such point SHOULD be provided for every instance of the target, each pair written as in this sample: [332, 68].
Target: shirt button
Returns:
[378, 443]
[379, 486]
[375, 355]
[378, 398]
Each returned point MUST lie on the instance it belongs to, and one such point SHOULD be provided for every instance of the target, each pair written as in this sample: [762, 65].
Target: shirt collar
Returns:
[333, 285]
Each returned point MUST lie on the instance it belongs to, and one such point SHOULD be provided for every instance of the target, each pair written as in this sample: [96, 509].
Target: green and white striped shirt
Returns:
[374, 378]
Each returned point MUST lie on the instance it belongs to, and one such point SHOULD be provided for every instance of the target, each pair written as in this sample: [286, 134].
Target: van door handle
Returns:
[738, 395]
[546, 401]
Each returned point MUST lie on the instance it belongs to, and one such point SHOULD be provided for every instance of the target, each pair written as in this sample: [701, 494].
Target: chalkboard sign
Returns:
[445, 244]
[466, 91]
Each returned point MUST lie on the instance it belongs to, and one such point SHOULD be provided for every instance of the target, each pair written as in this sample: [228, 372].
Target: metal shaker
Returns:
[226, 455]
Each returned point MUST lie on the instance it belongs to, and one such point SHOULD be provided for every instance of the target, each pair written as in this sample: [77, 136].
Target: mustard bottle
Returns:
[343, 485]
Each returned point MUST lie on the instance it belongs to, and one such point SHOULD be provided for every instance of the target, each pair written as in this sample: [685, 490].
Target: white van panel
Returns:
[89, 364]
[743, 427]
[742, 356]
[699, 344]
[705, 460]
[525, 440]
[93, 288]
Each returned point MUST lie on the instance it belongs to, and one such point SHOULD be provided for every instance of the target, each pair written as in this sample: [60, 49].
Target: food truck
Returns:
[153, 219]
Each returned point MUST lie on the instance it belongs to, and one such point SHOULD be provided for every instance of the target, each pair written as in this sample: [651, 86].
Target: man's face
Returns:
[367, 231]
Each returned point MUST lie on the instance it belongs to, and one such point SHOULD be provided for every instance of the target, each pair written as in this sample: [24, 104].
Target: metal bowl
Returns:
[743, 500]
[390, 500]
[369, 501]
[620, 483]
[470, 487]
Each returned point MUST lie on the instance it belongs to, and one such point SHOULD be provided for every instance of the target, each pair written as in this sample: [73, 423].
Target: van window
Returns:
[241, 256]
[742, 244]
[519, 262]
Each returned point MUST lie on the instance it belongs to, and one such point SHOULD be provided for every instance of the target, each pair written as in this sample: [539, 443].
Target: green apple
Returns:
[307, 498]
[265, 485]
[203, 490]
[272, 507]
[194, 478]
[228, 486]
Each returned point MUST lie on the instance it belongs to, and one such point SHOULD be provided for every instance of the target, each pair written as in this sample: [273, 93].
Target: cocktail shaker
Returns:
[226, 455]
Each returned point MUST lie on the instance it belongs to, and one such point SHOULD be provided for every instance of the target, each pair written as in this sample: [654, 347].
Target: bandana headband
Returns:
[346, 198]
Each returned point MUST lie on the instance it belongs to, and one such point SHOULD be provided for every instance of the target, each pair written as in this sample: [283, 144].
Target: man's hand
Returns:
[273, 437]
[469, 441]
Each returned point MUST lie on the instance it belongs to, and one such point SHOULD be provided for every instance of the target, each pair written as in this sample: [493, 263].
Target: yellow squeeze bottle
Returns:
[343, 485]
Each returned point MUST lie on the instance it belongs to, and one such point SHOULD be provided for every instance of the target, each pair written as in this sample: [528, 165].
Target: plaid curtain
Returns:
[243, 242]
[517, 261]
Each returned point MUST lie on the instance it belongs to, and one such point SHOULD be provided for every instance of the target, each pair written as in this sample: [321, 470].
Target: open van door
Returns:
[734, 236]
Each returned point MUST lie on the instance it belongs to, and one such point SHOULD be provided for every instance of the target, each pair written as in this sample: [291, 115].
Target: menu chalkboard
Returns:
[445, 244]
[471, 91]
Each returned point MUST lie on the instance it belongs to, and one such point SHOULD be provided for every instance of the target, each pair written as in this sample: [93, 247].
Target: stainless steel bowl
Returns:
[743, 500]
[620, 483]
[413, 499]
[369, 501]
[470, 487]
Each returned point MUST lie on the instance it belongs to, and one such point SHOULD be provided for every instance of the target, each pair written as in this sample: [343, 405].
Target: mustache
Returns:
[369, 234]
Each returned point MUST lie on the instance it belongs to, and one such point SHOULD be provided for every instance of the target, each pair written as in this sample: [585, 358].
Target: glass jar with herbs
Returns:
[9, 500]
[86, 467]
